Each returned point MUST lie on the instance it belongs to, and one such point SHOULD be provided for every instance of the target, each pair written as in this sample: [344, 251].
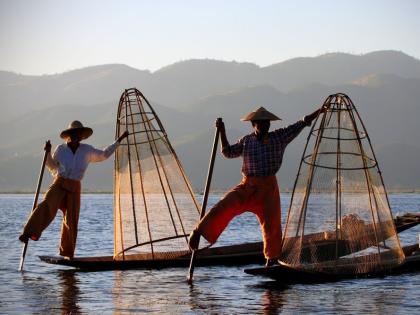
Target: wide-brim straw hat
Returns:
[260, 114]
[76, 125]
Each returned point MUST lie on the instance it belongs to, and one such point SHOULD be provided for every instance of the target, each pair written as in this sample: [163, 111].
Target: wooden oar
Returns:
[41, 174]
[205, 198]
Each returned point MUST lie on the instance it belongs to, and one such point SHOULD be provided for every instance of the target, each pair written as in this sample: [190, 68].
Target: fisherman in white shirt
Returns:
[67, 164]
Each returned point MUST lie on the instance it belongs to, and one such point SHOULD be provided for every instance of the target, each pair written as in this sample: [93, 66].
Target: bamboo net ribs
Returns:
[339, 219]
[155, 207]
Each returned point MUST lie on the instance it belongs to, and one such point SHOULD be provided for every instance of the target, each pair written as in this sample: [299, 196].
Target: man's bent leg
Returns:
[44, 213]
[232, 204]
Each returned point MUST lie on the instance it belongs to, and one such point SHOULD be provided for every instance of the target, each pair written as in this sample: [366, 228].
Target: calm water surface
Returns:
[44, 288]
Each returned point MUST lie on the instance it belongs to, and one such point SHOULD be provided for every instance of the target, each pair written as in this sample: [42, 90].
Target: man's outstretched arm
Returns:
[97, 155]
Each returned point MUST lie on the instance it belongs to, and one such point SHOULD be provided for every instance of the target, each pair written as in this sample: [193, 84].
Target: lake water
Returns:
[44, 288]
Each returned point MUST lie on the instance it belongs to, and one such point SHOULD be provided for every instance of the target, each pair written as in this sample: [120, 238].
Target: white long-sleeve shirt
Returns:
[64, 163]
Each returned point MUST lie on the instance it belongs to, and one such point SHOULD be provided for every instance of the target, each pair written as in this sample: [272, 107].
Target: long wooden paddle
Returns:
[38, 187]
[205, 198]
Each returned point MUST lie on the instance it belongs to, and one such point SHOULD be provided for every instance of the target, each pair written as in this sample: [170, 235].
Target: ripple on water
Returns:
[44, 288]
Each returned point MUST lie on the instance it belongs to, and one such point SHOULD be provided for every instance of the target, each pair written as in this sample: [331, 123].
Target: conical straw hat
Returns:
[86, 132]
[260, 114]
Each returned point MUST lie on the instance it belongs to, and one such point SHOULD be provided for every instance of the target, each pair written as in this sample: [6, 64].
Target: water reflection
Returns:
[139, 291]
[366, 296]
[70, 295]
[44, 289]
[372, 296]
[273, 296]
[272, 301]
[40, 294]
[166, 291]
[196, 298]
[59, 294]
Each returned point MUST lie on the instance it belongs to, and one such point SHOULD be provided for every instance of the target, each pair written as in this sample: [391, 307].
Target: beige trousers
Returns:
[63, 194]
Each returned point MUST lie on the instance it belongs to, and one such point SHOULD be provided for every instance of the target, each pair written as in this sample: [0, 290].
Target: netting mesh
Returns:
[339, 218]
[155, 208]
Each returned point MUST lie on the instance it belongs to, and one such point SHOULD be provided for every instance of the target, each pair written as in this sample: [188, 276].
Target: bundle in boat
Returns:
[155, 207]
[339, 220]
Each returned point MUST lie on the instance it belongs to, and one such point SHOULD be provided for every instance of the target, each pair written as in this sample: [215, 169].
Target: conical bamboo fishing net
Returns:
[339, 219]
[155, 208]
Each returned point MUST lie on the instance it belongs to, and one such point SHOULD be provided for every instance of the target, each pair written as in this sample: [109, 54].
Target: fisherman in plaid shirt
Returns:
[258, 192]
[262, 156]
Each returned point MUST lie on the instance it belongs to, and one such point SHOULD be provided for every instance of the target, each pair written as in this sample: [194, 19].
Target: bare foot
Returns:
[24, 238]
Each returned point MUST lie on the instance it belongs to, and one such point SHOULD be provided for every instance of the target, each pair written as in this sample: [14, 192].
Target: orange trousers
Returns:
[259, 195]
[63, 194]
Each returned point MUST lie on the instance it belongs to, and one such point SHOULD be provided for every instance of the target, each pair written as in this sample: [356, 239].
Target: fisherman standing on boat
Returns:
[67, 164]
[258, 192]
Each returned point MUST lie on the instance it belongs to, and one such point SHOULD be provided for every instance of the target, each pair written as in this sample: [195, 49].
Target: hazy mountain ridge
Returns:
[339, 68]
[385, 87]
[185, 83]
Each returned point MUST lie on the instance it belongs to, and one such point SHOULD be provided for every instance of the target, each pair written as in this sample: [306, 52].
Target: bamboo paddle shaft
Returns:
[38, 187]
[205, 197]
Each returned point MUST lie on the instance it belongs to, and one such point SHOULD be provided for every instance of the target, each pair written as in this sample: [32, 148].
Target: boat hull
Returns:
[289, 275]
[235, 255]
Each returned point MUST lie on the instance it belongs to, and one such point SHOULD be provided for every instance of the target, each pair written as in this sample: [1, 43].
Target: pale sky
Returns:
[53, 36]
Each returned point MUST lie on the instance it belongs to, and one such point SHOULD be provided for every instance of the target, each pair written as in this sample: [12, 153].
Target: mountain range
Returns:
[189, 95]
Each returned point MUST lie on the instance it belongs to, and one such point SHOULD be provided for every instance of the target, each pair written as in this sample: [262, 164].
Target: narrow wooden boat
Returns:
[289, 275]
[250, 253]
[243, 254]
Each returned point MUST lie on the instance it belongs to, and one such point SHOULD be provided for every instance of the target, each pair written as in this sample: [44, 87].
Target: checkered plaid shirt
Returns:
[263, 157]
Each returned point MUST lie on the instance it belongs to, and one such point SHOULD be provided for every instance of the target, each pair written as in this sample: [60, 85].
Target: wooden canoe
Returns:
[289, 275]
[243, 254]
[326, 247]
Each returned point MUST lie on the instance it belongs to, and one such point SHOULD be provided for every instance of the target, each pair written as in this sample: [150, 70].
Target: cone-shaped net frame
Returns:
[154, 203]
[339, 219]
